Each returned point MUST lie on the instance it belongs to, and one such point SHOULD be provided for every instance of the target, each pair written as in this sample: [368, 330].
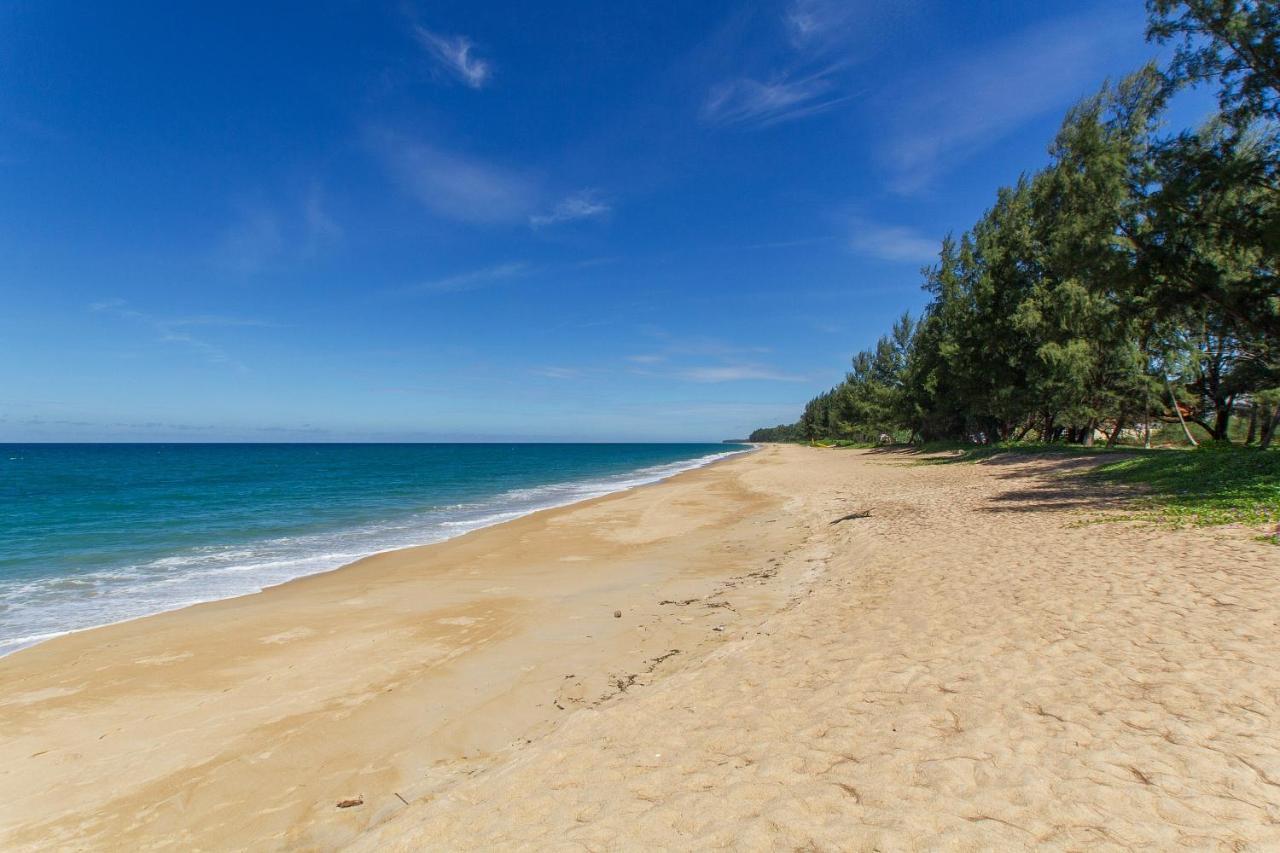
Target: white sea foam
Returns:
[32, 611]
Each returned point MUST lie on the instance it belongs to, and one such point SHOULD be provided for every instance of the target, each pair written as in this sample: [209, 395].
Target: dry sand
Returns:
[970, 667]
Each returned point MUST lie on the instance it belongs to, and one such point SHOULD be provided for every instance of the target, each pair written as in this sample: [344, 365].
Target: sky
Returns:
[437, 221]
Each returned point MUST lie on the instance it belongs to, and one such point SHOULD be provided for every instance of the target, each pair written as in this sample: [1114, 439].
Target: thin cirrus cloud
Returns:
[585, 204]
[816, 24]
[894, 243]
[320, 229]
[253, 241]
[954, 109]
[738, 373]
[176, 330]
[747, 102]
[469, 190]
[456, 56]
[823, 37]
[263, 236]
[553, 372]
[472, 279]
[454, 186]
[854, 28]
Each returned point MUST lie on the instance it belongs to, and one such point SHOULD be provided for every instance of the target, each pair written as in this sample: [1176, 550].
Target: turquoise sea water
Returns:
[97, 533]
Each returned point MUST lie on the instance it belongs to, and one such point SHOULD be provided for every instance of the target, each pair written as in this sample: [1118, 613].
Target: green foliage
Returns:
[1234, 42]
[780, 433]
[1128, 293]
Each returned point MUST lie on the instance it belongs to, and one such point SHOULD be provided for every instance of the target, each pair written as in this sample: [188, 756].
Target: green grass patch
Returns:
[1209, 485]
[958, 451]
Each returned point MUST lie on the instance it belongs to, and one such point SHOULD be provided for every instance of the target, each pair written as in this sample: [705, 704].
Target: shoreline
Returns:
[684, 466]
[362, 654]
[799, 648]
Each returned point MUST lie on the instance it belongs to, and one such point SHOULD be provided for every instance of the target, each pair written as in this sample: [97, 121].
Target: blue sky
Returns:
[442, 221]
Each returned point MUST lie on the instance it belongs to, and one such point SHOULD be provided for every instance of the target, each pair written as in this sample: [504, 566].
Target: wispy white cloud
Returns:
[752, 103]
[212, 353]
[738, 373]
[177, 330]
[893, 243]
[261, 236]
[852, 28]
[472, 279]
[552, 372]
[115, 306]
[588, 263]
[705, 359]
[697, 345]
[320, 229]
[253, 241]
[456, 56]
[455, 186]
[954, 109]
[584, 204]
[815, 23]
[821, 39]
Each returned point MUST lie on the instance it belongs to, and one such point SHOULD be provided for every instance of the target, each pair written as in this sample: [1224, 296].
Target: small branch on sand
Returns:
[853, 515]
[660, 658]
[346, 804]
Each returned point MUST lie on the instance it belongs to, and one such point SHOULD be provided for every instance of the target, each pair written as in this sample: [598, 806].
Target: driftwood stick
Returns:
[851, 516]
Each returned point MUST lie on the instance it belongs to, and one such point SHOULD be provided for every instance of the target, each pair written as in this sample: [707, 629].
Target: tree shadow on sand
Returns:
[1211, 485]
[1039, 481]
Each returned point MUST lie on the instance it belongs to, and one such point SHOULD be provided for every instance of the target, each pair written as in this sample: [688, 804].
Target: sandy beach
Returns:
[714, 661]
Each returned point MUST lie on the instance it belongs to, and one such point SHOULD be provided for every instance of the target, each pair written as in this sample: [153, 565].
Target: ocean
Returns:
[92, 534]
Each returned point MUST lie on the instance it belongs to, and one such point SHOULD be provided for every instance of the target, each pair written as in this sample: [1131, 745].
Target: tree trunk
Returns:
[1253, 424]
[1222, 420]
[1269, 429]
[1146, 423]
[1174, 399]
[1115, 433]
[1088, 433]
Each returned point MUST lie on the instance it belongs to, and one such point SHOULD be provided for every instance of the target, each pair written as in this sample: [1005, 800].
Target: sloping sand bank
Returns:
[240, 724]
[969, 667]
